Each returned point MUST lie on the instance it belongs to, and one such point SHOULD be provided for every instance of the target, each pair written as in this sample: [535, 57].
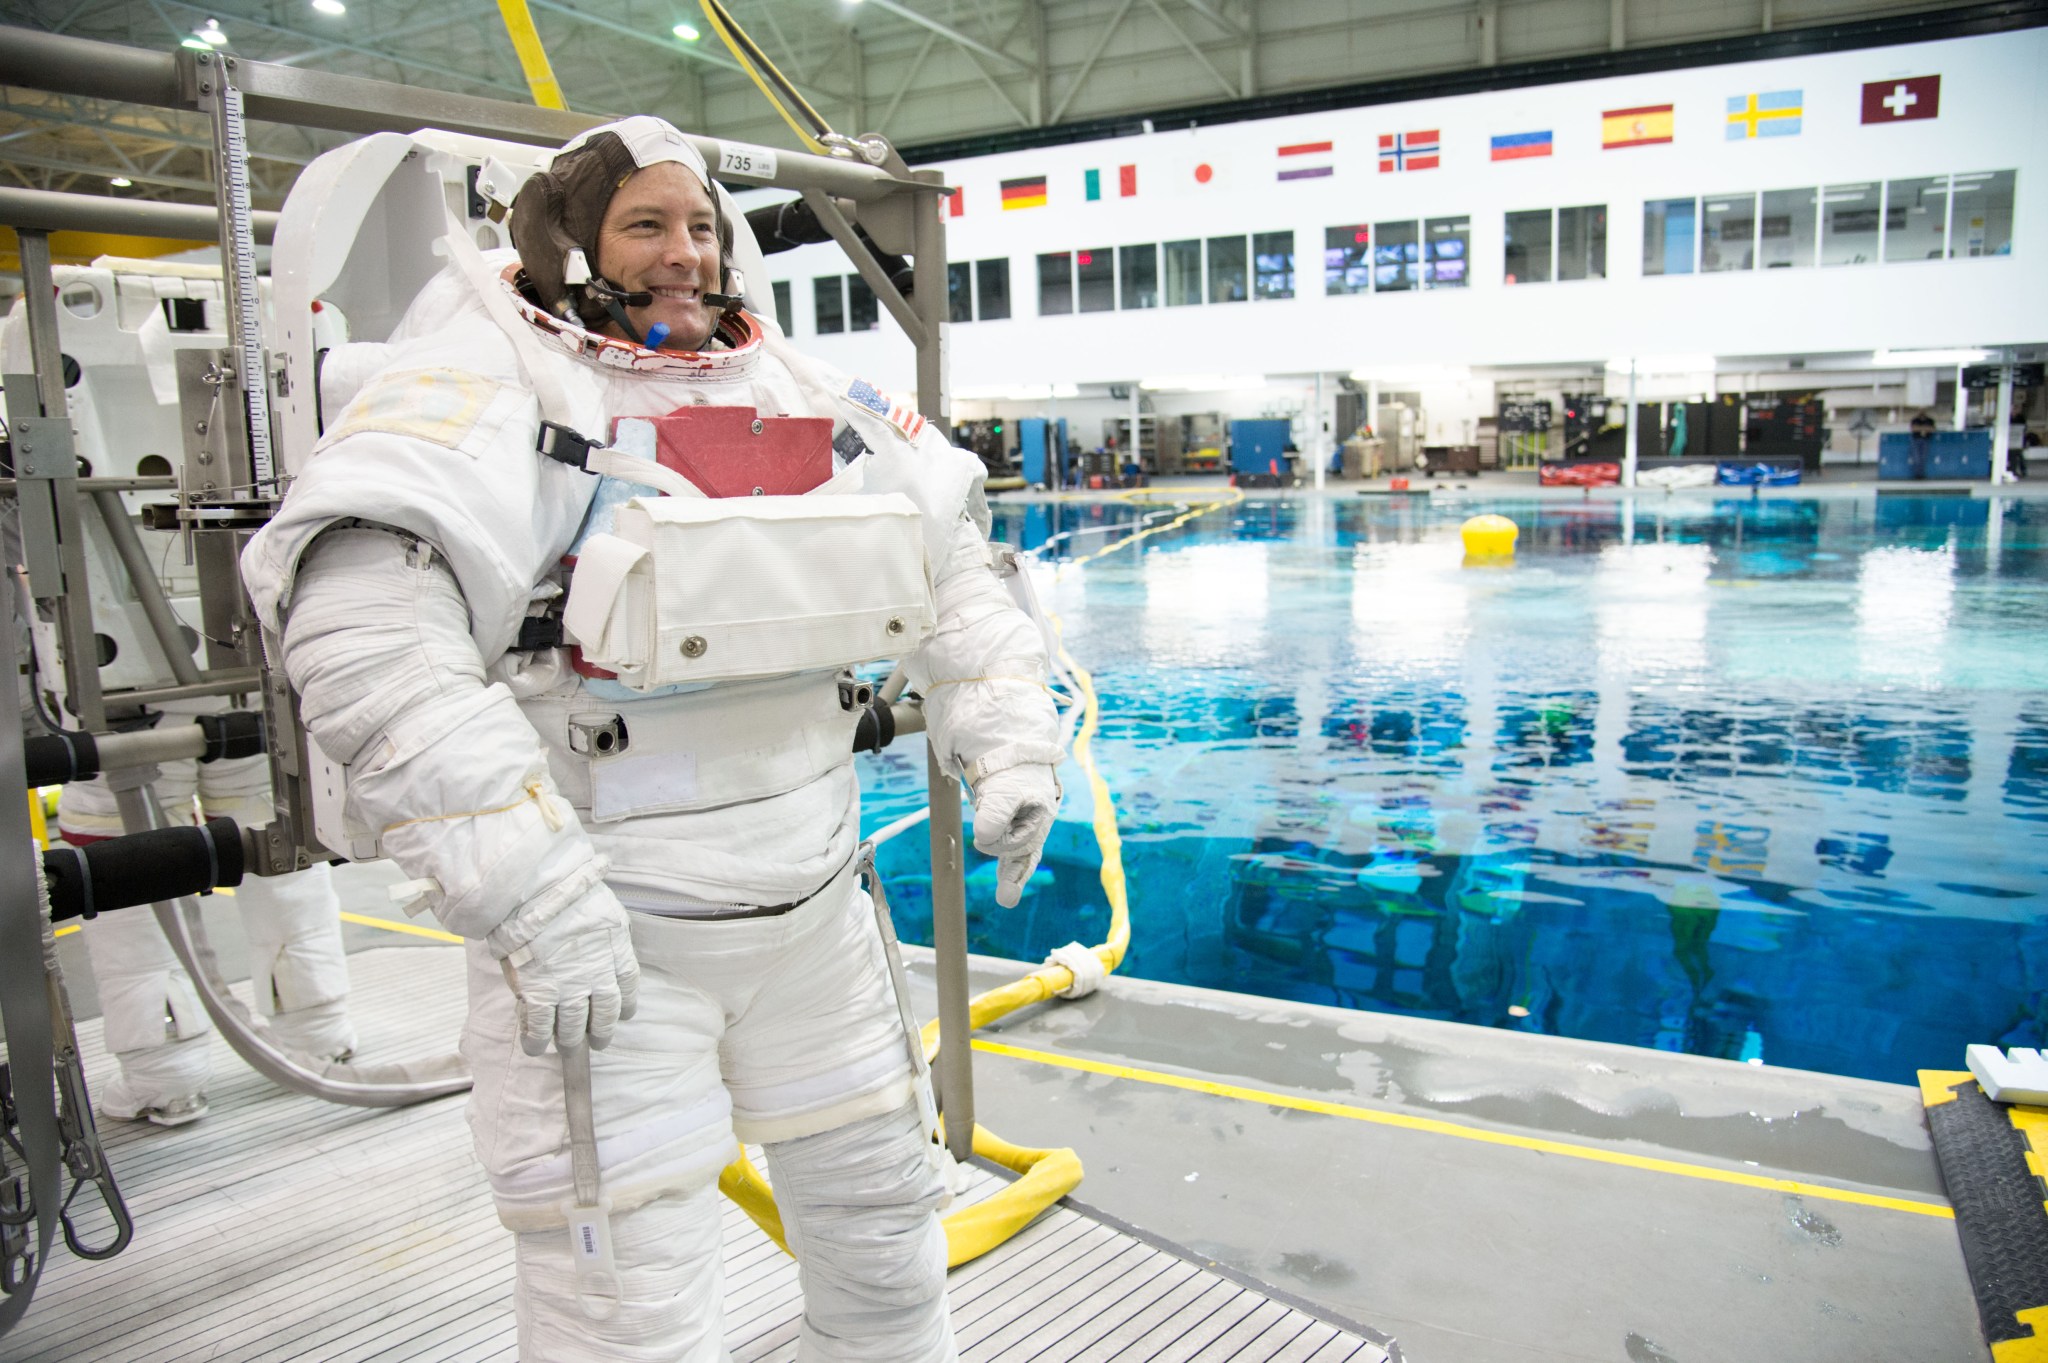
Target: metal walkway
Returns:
[281, 1227]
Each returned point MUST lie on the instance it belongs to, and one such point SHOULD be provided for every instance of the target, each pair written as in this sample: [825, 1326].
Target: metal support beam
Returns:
[50, 509]
[1197, 53]
[1220, 19]
[102, 172]
[1081, 77]
[949, 33]
[910, 76]
[675, 47]
[149, 590]
[2001, 423]
[863, 260]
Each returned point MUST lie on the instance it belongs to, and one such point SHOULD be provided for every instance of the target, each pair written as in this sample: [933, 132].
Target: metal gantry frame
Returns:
[228, 485]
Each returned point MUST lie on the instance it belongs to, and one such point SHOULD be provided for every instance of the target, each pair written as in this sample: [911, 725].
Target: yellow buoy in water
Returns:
[1489, 538]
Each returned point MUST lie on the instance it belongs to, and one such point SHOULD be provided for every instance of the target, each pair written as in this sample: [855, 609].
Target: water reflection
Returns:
[1769, 782]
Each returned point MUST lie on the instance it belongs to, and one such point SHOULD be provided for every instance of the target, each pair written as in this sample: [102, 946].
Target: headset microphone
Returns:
[603, 288]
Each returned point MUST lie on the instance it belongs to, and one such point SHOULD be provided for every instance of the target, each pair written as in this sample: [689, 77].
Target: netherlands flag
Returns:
[1515, 146]
[1306, 161]
[1409, 151]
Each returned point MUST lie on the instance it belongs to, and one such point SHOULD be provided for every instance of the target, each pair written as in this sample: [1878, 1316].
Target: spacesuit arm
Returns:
[982, 673]
[990, 718]
[445, 769]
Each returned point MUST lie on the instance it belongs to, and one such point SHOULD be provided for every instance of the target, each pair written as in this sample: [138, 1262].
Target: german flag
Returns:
[1026, 193]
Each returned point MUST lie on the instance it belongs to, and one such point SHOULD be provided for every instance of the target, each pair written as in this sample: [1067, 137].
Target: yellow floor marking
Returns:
[1437, 1127]
[67, 929]
[391, 925]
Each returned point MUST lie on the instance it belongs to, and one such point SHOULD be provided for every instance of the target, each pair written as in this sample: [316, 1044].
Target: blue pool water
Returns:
[1765, 780]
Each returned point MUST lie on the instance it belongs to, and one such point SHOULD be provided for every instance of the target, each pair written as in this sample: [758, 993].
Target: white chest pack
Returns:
[688, 588]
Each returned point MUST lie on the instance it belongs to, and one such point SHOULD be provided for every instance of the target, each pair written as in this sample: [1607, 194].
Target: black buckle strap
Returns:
[537, 632]
[565, 446]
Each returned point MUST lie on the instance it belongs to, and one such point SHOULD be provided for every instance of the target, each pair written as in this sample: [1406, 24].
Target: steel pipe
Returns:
[398, 1084]
[47, 210]
[955, 1070]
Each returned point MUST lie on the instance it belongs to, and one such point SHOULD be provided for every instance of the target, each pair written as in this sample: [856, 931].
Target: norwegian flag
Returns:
[1409, 151]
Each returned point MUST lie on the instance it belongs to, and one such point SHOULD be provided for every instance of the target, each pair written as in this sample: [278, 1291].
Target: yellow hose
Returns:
[1048, 1175]
[752, 59]
[533, 58]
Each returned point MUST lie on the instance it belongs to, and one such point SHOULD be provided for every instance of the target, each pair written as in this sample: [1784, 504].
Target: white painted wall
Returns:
[1992, 111]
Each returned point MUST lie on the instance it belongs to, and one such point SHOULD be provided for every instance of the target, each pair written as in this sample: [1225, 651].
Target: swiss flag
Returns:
[1895, 101]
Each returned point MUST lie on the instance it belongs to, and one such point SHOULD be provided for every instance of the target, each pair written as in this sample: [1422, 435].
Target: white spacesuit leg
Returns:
[819, 1070]
[664, 1128]
[671, 1276]
[298, 970]
[860, 1204]
[154, 1025]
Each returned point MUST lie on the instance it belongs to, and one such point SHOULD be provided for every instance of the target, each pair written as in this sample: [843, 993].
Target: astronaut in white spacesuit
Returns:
[666, 873]
[155, 1027]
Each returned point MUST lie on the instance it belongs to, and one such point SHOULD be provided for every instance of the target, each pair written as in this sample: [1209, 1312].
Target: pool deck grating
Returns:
[282, 1227]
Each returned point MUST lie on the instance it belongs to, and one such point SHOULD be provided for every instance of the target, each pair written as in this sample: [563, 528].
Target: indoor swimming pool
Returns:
[1765, 780]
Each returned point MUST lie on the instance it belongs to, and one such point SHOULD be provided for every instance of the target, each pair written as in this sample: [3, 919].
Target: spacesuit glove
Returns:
[1013, 814]
[577, 979]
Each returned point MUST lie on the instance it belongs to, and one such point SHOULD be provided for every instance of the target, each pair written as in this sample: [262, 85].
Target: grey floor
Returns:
[282, 1227]
[1453, 1194]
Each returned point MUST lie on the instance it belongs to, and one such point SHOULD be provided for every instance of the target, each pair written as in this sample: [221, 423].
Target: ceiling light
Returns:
[1413, 373]
[1908, 359]
[685, 32]
[1647, 365]
[197, 45]
[211, 35]
[1203, 383]
[120, 182]
[334, 7]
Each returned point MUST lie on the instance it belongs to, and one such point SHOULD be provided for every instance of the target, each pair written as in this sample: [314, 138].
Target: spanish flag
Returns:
[1642, 127]
[1028, 193]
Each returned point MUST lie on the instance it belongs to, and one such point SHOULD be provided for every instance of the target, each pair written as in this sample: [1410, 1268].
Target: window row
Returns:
[1543, 244]
[1929, 217]
[1389, 257]
[1926, 218]
[1173, 274]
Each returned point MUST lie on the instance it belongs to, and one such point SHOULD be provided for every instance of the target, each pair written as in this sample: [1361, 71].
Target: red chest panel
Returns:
[735, 452]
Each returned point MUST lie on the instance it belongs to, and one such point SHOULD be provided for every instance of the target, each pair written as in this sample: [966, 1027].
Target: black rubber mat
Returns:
[2001, 1208]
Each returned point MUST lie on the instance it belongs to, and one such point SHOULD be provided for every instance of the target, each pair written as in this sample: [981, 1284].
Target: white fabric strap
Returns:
[415, 897]
[1013, 755]
[1088, 969]
[602, 565]
[631, 468]
[533, 357]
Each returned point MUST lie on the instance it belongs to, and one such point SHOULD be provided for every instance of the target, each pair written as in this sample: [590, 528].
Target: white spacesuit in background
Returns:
[155, 1027]
[689, 849]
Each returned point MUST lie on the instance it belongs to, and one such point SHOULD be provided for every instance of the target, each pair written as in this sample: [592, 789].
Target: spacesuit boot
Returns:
[155, 1028]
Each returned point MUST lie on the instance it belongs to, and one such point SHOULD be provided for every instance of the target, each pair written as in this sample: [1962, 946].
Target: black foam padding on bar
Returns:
[54, 759]
[2000, 1217]
[142, 868]
[238, 733]
[877, 727]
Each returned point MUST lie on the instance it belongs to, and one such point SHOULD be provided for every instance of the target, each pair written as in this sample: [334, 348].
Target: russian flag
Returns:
[1515, 146]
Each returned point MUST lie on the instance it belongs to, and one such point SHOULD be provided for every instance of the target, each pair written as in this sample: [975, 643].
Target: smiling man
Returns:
[664, 874]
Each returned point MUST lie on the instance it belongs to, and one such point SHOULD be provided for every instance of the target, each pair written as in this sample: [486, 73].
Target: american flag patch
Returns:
[904, 418]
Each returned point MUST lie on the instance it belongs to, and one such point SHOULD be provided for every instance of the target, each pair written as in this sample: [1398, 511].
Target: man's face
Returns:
[660, 236]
